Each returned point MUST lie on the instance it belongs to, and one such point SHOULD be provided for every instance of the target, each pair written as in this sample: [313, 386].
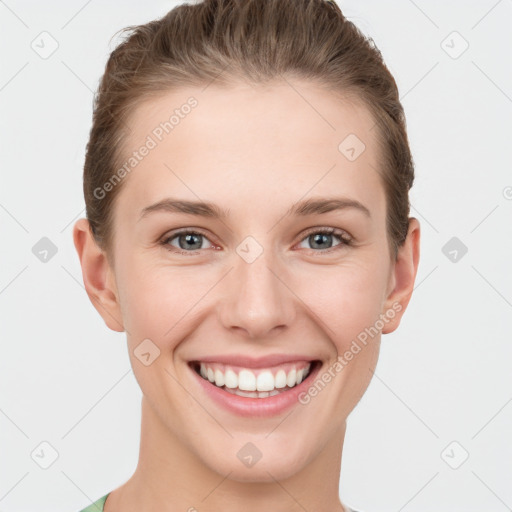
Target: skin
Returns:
[254, 150]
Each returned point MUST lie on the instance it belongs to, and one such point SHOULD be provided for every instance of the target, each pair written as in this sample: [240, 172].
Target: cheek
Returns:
[347, 300]
[157, 305]
[159, 302]
[153, 300]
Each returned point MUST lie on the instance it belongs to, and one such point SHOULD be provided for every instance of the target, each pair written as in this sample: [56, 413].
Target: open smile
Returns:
[262, 391]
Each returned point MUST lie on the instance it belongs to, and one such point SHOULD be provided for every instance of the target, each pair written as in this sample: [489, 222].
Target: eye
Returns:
[322, 239]
[187, 241]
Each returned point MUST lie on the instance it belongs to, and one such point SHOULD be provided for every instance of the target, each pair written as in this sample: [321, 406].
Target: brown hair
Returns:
[256, 40]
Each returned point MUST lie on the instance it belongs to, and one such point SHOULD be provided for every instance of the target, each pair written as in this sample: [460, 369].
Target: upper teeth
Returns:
[260, 380]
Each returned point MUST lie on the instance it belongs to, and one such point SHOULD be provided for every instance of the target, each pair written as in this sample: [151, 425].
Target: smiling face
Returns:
[257, 275]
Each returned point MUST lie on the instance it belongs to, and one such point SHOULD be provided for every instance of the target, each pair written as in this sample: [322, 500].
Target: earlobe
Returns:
[403, 276]
[97, 276]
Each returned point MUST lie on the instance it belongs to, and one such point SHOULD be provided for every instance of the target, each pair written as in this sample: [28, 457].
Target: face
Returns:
[288, 266]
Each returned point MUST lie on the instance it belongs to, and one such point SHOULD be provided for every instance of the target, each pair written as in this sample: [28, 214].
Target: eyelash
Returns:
[345, 240]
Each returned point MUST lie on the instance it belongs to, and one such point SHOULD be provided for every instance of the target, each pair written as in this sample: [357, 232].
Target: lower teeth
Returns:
[254, 394]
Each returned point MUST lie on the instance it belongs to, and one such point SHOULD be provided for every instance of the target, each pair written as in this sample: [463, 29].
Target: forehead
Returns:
[251, 143]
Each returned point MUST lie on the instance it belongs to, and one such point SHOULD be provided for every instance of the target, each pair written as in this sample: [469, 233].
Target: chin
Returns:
[257, 462]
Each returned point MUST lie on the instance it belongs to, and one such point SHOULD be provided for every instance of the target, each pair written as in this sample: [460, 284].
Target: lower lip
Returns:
[256, 407]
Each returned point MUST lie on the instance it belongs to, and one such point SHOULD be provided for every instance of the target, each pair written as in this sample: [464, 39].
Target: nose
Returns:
[257, 301]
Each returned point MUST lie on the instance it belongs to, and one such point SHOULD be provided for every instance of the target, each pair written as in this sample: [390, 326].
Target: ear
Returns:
[402, 277]
[98, 276]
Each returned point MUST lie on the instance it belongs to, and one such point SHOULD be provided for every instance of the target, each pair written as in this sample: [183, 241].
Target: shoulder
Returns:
[97, 506]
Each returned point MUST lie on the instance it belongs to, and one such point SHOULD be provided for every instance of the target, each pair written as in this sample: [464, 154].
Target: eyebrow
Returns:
[211, 210]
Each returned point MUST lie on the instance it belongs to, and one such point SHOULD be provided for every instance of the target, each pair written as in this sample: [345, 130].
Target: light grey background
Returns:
[443, 377]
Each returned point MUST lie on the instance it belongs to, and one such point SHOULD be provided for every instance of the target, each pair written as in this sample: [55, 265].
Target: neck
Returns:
[169, 477]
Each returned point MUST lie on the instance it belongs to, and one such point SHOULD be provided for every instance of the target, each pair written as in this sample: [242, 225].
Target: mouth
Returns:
[256, 384]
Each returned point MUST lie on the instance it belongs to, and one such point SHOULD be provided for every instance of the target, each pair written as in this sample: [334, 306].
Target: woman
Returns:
[246, 184]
